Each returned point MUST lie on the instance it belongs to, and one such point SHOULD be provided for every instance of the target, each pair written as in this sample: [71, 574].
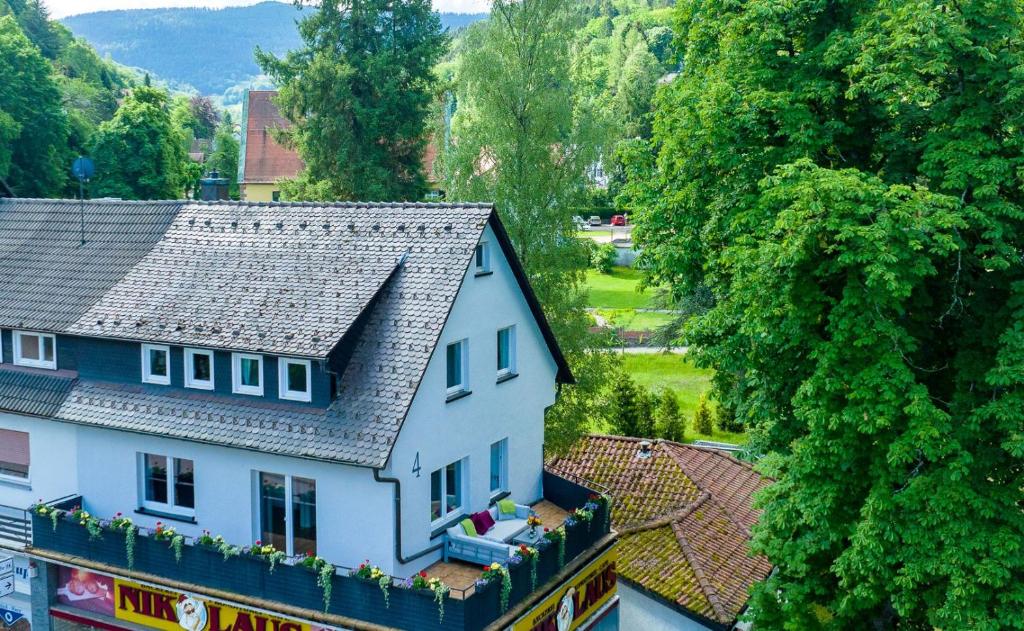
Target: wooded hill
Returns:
[210, 50]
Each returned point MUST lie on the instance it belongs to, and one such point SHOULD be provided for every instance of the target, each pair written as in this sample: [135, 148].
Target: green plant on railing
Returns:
[532, 555]
[175, 541]
[268, 552]
[125, 525]
[557, 536]
[374, 573]
[434, 584]
[493, 572]
[92, 525]
[324, 571]
[43, 510]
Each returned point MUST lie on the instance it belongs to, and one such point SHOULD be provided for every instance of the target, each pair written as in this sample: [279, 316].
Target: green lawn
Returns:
[632, 320]
[589, 234]
[617, 290]
[673, 371]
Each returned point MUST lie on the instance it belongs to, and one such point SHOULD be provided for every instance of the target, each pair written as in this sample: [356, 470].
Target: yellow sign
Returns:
[172, 611]
[570, 605]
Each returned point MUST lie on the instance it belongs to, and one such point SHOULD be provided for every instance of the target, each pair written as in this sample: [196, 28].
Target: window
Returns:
[247, 374]
[483, 258]
[169, 490]
[293, 376]
[198, 369]
[507, 351]
[446, 491]
[14, 455]
[276, 196]
[156, 364]
[35, 349]
[458, 367]
[499, 473]
[287, 513]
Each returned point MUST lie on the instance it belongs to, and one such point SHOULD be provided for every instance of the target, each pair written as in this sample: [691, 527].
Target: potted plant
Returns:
[373, 573]
[324, 572]
[435, 585]
[498, 572]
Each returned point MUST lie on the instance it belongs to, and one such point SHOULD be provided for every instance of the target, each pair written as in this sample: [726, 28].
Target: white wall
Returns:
[354, 513]
[52, 461]
[442, 432]
[639, 611]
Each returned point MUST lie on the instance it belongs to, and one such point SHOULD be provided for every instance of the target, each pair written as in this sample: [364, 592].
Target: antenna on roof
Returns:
[83, 169]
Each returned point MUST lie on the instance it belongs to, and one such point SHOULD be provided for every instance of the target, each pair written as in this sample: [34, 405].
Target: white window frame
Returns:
[147, 375]
[289, 517]
[463, 385]
[512, 367]
[190, 380]
[34, 363]
[464, 492]
[170, 508]
[282, 380]
[236, 375]
[503, 468]
[484, 249]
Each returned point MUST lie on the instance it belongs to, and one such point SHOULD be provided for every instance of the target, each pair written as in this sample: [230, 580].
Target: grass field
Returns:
[673, 371]
[617, 290]
[632, 320]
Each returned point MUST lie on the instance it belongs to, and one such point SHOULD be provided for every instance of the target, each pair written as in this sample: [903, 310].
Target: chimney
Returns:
[645, 450]
[213, 187]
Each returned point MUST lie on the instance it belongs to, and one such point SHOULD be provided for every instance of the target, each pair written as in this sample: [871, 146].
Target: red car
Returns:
[618, 220]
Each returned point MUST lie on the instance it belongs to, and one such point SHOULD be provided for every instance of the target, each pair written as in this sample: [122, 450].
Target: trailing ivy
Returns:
[125, 525]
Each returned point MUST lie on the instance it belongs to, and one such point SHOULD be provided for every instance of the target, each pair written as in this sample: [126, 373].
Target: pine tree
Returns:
[670, 425]
[632, 409]
[702, 417]
[357, 94]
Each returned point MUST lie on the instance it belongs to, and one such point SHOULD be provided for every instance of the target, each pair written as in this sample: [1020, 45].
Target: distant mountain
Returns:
[208, 49]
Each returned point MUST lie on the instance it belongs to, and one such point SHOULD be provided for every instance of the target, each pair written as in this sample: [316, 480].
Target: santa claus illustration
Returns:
[191, 613]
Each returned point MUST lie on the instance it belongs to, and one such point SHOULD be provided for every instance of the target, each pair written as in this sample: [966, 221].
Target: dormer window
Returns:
[483, 258]
[198, 369]
[247, 374]
[38, 350]
[293, 375]
[156, 364]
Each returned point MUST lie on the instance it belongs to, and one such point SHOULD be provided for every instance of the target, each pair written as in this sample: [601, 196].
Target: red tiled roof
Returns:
[683, 515]
[266, 161]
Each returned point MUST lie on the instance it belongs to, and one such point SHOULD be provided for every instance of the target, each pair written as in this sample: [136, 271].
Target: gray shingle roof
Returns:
[50, 279]
[279, 278]
[33, 391]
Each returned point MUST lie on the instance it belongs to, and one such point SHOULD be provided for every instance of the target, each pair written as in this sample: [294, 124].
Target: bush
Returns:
[632, 409]
[726, 419]
[670, 422]
[602, 258]
[702, 417]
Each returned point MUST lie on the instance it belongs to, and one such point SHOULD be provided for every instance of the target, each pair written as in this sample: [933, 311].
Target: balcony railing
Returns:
[292, 584]
[16, 523]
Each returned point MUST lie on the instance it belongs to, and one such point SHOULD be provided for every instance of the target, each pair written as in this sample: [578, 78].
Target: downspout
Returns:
[398, 522]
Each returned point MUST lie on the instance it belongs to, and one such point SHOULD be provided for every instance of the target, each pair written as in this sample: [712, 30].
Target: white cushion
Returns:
[505, 530]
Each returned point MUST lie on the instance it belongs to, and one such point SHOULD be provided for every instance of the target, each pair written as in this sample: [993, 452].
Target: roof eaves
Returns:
[564, 374]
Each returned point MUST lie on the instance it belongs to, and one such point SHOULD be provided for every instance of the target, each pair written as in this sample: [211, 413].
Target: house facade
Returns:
[297, 386]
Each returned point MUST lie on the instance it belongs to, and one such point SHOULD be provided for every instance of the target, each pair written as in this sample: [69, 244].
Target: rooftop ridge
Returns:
[710, 592]
[232, 202]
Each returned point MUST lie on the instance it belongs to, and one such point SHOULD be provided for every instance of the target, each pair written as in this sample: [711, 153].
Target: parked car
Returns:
[580, 223]
[595, 220]
[618, 220]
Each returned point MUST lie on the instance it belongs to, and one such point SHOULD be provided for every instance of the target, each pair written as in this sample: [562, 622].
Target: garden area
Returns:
[616, 301]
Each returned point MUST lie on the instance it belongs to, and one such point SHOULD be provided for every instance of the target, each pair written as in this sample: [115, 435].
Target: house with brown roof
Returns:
[263, 162]
[683, 514]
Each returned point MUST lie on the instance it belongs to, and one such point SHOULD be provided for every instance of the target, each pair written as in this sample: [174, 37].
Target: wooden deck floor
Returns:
[462, 576]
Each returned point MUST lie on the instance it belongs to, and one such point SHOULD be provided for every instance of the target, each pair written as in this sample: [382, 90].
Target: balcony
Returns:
[298, 591]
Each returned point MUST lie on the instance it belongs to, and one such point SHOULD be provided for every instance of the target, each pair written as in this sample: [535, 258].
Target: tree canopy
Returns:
[358, 94]
[844, 179]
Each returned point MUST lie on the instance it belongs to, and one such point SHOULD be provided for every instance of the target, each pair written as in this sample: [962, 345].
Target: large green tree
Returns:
[138, 153]
[844, 178]
[358, 94]
[33, 125]
[523, 136]
[224, 157]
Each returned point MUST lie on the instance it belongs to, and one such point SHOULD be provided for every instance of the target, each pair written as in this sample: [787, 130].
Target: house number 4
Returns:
[416, 465]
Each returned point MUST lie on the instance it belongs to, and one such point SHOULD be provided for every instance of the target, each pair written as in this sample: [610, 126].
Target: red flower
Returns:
[423, 573]
[309, 554]
[546, 529]
[258, 542]
[487, 567]
[118, 514]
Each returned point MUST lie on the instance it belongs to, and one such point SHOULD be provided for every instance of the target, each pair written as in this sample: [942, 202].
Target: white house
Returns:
[342, 381]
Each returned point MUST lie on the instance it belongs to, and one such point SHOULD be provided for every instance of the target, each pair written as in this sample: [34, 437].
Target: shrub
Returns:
[702, 417]
[602, 258]
[670, 424]
[726, 419]
[632, 409]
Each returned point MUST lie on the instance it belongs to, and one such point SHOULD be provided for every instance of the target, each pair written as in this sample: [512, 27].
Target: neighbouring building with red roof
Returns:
[263, 162]
[684, 515]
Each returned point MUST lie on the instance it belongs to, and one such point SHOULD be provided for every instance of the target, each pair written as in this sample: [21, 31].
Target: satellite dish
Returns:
[83, 168]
